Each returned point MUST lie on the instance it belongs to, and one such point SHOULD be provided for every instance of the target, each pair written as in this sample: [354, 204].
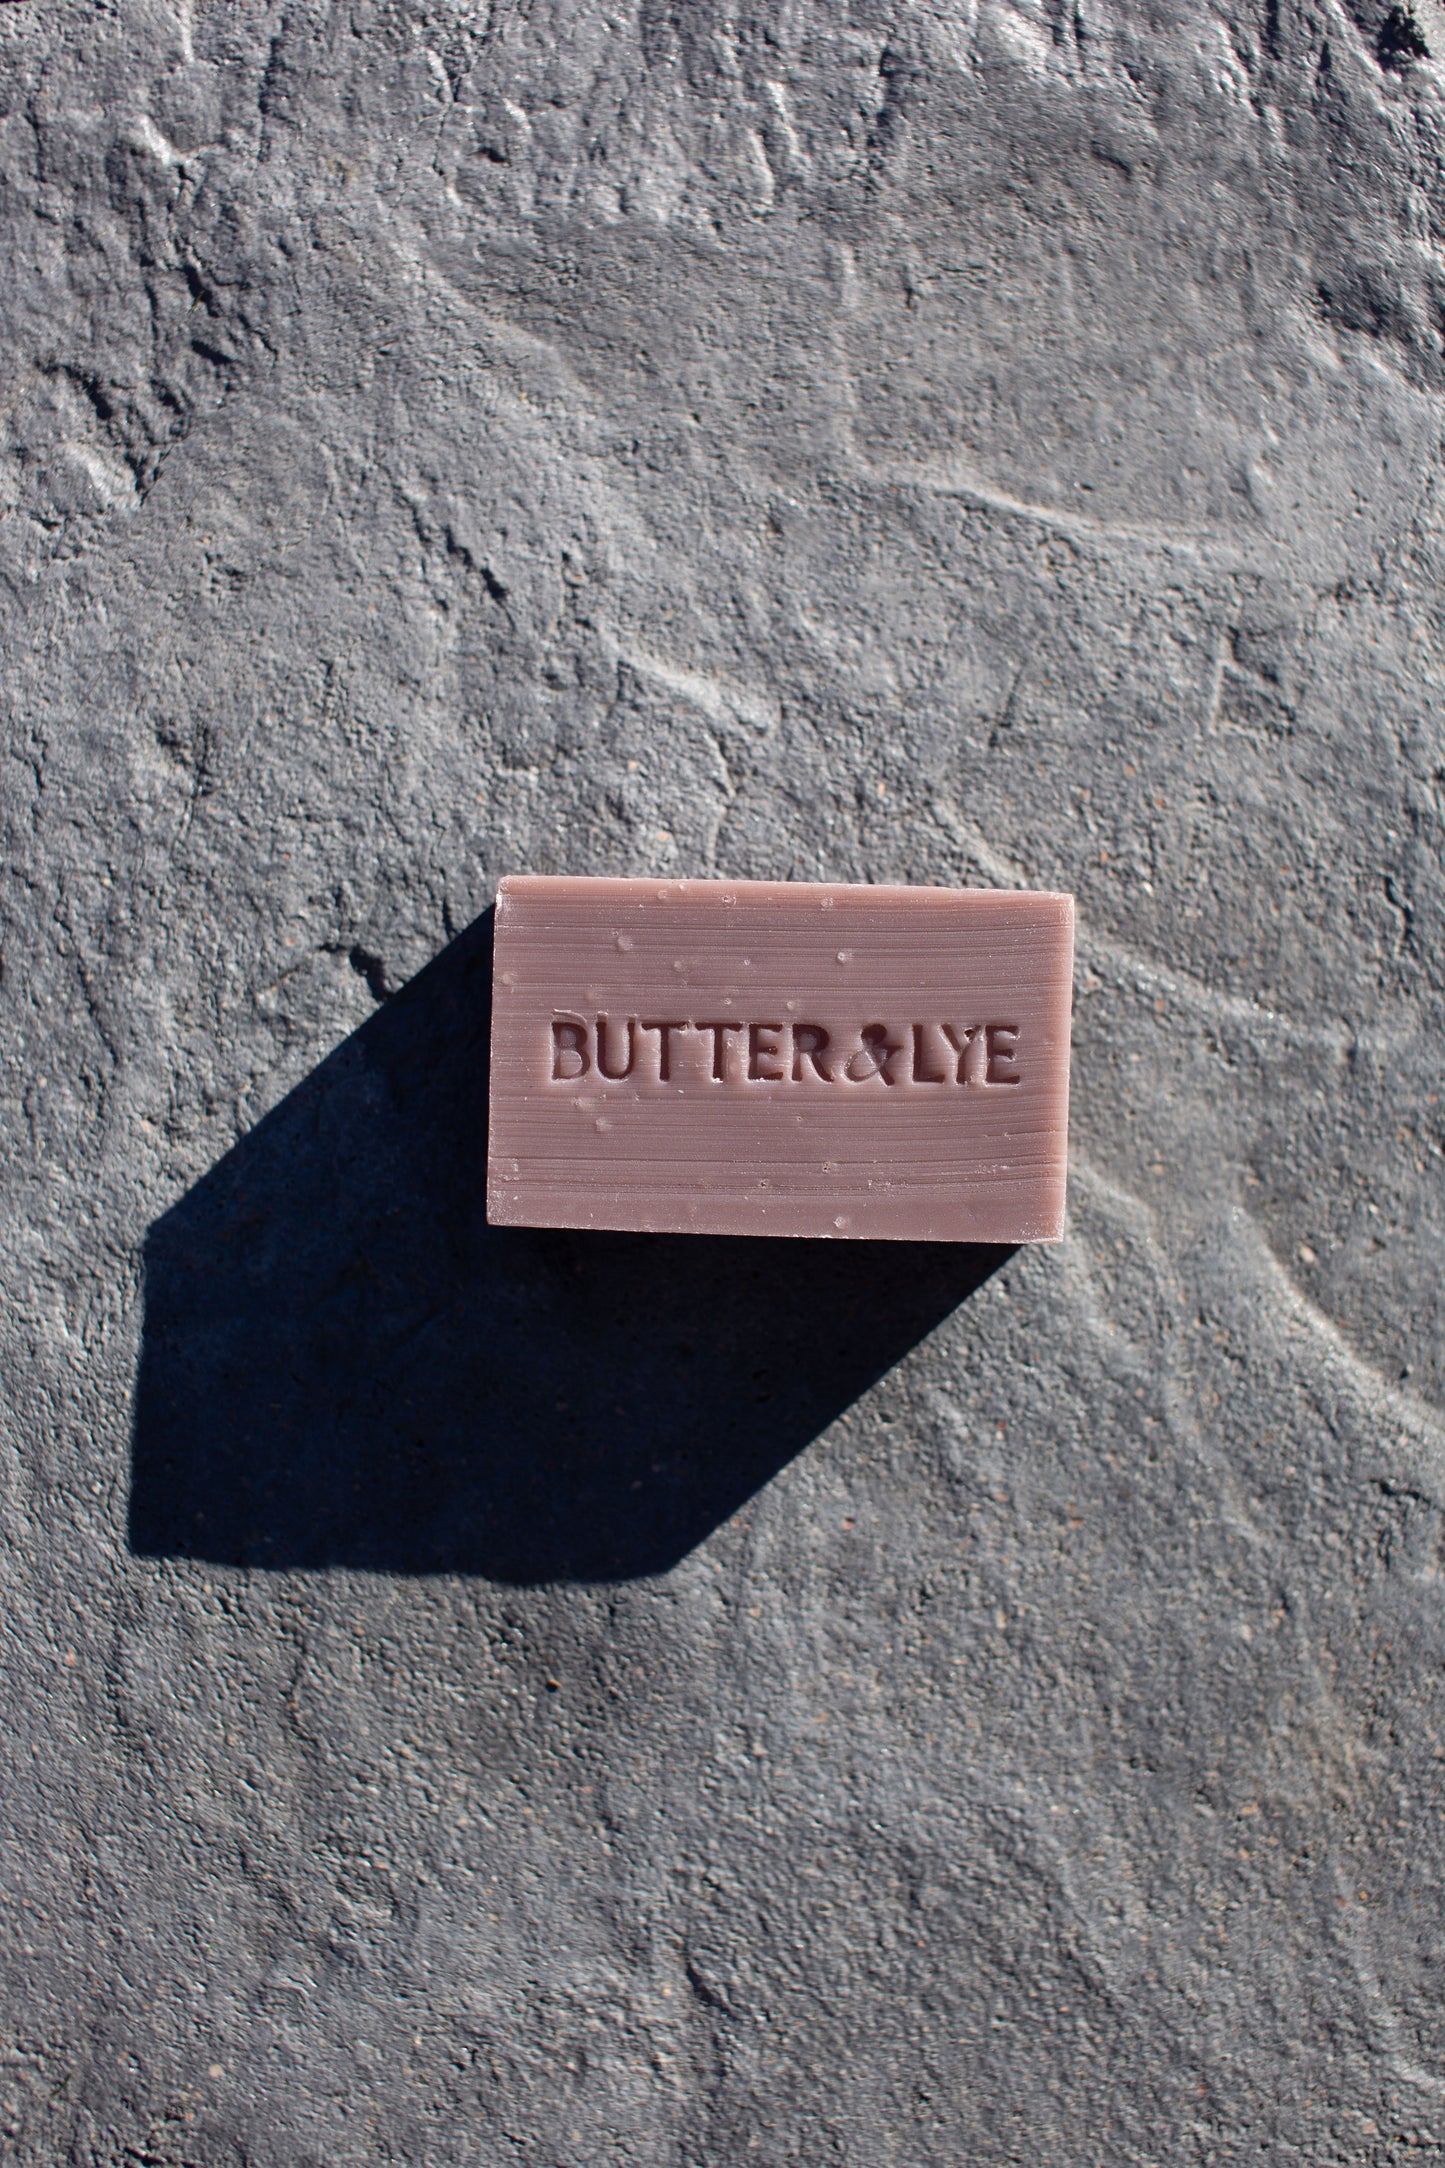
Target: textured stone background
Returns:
[531, 1700]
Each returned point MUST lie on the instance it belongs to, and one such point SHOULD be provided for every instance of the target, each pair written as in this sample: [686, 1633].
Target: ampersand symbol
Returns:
[874, 1055]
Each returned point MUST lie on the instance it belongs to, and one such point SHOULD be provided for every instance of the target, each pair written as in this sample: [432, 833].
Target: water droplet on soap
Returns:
[841, 1220]
[790, 1004]
[602, 1122]
[624, 941]
[507, 979]
[845, 956]
[679, 966]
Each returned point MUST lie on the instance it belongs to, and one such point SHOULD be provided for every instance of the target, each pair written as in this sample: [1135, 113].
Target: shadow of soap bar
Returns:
[780, 1058]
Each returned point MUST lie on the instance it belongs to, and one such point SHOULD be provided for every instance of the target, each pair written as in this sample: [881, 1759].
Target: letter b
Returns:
[569, 1046]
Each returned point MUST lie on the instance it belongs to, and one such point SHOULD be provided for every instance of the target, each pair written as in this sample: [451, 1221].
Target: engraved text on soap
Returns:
[730, 1052]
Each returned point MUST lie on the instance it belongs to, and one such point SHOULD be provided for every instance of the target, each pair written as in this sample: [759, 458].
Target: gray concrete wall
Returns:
[573, 1701]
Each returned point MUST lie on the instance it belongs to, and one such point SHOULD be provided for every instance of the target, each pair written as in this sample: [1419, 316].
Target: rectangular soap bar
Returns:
[780, 1058]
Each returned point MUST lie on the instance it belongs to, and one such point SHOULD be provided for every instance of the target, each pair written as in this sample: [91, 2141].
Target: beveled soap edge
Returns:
[616, 885]
[610, 1219]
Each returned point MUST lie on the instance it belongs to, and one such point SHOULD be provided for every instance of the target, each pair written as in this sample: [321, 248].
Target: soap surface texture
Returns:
[767, 1057]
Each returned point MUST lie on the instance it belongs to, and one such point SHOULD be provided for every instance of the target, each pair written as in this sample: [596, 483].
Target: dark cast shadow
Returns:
[343, 1365]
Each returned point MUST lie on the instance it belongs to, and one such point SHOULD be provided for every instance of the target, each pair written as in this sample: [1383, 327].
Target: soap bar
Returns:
[780, 1058]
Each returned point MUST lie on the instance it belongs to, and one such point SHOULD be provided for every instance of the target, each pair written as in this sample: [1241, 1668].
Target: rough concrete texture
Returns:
[481, 1698]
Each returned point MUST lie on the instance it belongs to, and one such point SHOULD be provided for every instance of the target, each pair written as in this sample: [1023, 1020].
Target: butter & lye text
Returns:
[729, 1051]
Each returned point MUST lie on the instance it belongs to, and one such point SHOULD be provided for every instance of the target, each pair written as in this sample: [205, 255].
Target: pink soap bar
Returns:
[780, 1058]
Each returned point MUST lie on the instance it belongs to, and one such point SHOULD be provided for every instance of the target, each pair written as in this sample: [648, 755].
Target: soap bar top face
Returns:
[774, 1057]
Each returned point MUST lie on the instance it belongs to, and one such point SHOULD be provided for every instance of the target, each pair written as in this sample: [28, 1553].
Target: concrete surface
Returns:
[488, 1699]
